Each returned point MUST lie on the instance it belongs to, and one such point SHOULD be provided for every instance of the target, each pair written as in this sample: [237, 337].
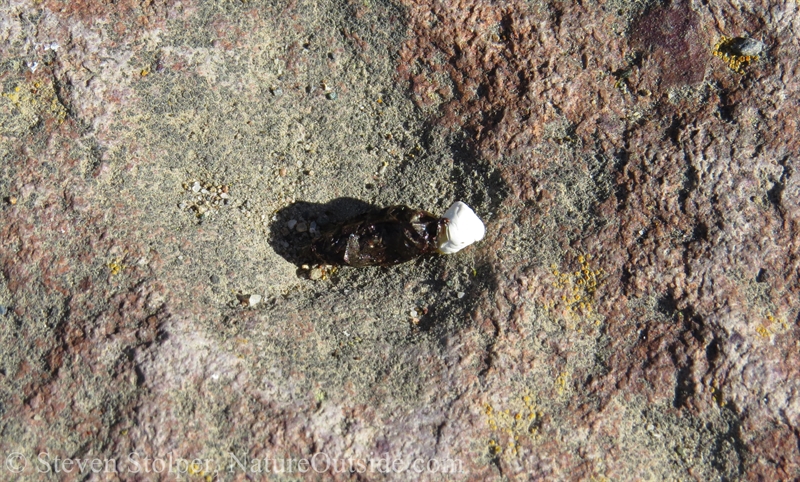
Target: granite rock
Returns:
[631, 314]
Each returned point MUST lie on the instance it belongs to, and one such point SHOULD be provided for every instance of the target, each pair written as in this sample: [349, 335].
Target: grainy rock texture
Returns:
[631, 315]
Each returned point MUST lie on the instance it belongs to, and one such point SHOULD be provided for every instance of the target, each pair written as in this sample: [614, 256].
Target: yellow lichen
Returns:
[195, 469]
[561, 383]
[115, 267]
[772, 326]
[510, 426]
[36, 99]
[726, 50]
[717, 395]
[580, 285]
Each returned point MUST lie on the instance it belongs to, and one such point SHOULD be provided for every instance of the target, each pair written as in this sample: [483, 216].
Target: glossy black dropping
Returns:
[387, 237]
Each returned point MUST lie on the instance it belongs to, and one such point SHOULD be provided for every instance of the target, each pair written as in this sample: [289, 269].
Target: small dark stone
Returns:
[214, 279]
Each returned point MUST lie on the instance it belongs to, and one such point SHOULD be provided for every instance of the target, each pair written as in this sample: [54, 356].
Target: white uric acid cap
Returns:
[464, 228]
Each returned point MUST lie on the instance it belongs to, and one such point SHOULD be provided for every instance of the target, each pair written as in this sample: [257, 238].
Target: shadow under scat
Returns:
[296, 225]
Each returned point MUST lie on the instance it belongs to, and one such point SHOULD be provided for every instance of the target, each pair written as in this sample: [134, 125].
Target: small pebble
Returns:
[196, 187]
[748, 46]
[291, 224]
[315, 273]
[302, 227]
[214, 279]
[332, 96]
[412, 313]
[3, 310]
[282, 172]
[254, 300]
[460, 294]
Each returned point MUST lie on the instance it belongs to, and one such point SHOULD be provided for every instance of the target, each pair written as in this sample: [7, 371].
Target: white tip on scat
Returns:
[464, 228]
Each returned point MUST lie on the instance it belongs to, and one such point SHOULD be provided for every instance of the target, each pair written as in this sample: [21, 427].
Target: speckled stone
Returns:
[631, 314]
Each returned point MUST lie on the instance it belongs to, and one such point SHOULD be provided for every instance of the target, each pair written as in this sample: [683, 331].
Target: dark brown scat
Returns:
[386, 237]
[350, 232]
[295, 246]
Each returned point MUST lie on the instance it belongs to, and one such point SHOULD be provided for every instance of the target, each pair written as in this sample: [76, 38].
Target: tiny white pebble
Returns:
[460, 294]
[254, 300]
[196, 187]
[291, 224]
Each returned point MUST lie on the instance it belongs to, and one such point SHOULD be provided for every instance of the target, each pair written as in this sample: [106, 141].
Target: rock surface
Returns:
[631, 314]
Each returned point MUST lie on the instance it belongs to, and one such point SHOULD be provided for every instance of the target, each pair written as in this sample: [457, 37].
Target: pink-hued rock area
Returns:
[632, 313]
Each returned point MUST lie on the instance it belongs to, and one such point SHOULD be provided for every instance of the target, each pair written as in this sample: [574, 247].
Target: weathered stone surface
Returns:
[632, 313]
